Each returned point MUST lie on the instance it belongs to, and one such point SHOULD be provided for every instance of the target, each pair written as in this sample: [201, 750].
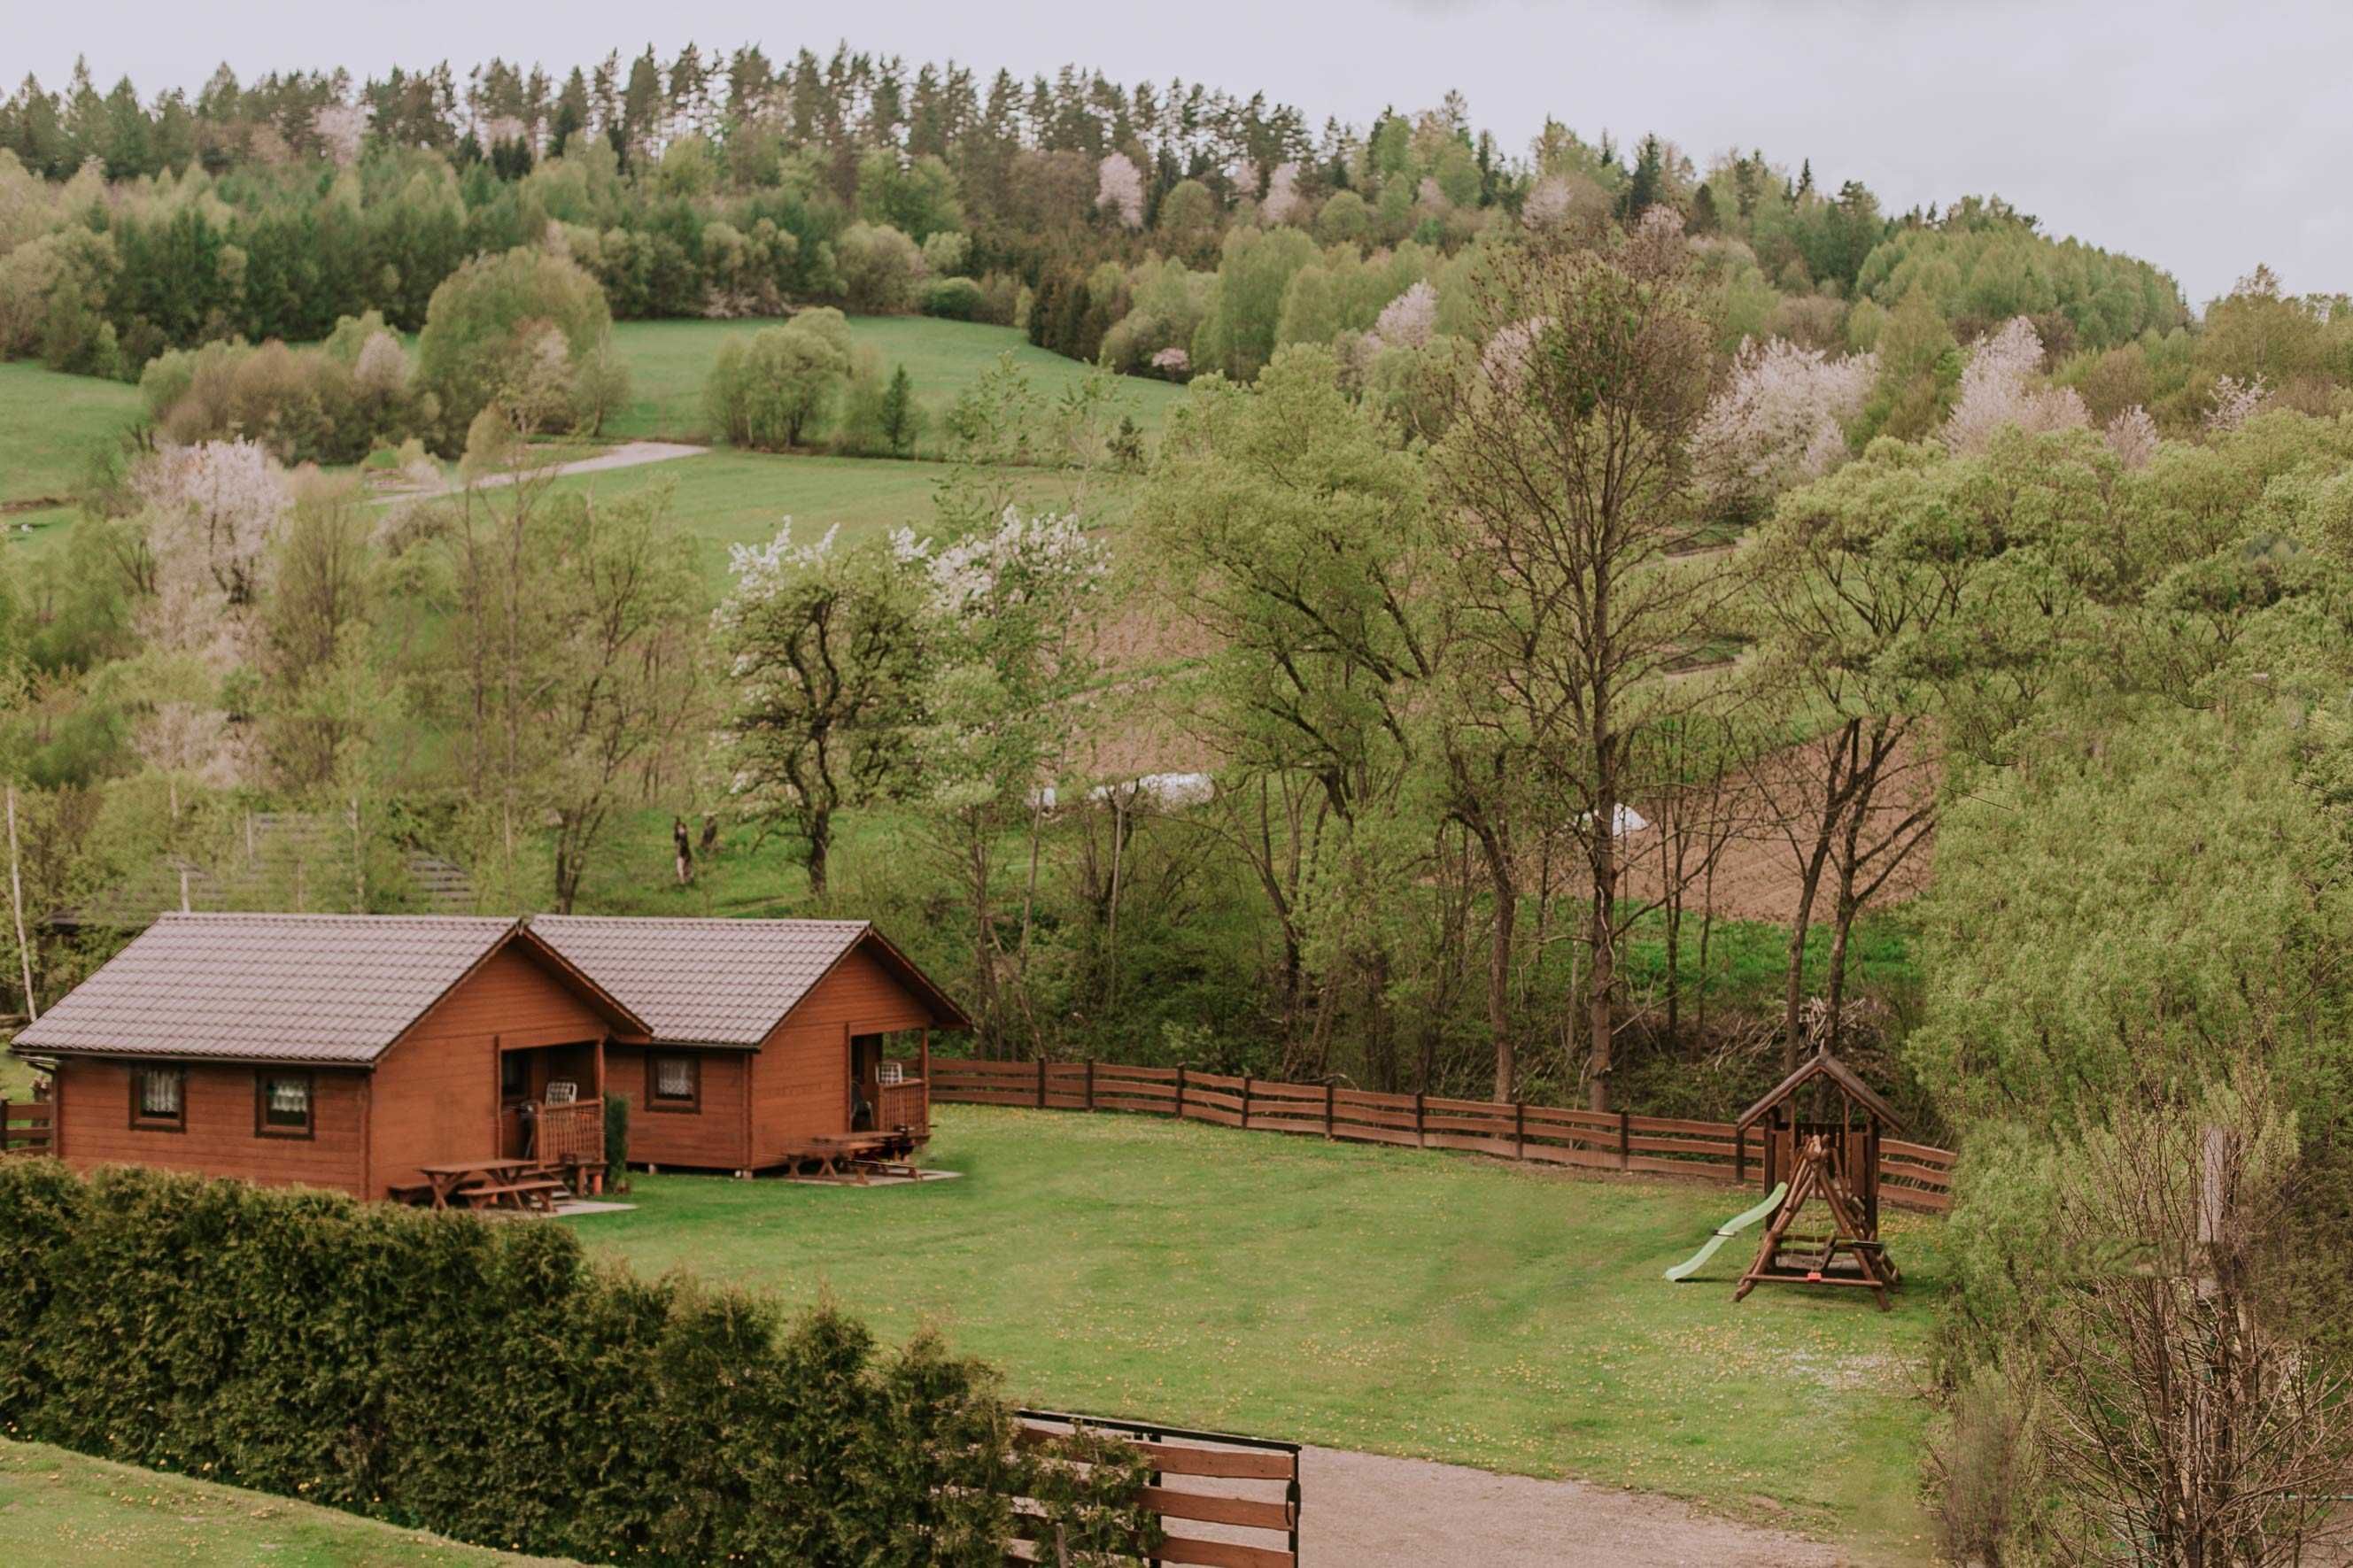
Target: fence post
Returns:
[1421, 1138]
[1625, 1148]
[1740, 1156]
[1329, 1095]
[1246, 1078]
[1042, 1083]
[1091, 1083]
[1519, 1129]
[1180, 1094]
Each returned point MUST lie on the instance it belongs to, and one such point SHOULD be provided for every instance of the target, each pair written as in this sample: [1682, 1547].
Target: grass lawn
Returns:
[668, 361]
[726, 497]
[49, 425]
[1420, 1304]
[61, 1507]
[15, 1078]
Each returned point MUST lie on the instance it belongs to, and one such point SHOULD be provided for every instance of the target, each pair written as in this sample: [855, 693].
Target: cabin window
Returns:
[281, 1104]
[159, 1098]
[675, 1082]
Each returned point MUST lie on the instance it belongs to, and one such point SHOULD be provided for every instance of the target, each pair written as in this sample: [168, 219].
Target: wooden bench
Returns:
[412, 1192]
[539, 1196]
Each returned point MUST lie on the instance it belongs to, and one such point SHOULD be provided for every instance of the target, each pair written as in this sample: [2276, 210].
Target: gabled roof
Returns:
[1825, 1065]
[723, 982]
[333, 989]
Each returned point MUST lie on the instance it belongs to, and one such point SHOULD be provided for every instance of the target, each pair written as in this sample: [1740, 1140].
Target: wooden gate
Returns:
[1224, 1501]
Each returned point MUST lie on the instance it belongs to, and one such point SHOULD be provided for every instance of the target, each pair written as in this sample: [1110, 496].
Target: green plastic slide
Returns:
[1729, 1228]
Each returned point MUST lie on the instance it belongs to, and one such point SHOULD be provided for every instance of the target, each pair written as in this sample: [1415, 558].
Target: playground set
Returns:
[1821, 1128]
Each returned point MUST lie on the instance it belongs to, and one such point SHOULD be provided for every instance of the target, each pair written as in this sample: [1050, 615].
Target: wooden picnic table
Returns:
[837, 1152]
[450, 1178]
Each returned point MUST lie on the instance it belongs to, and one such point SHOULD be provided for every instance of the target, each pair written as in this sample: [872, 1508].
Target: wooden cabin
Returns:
[768, 1039]
[340, 1051]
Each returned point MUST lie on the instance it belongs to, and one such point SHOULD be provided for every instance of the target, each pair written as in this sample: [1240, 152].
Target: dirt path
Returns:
[628, 455]
[1368, 1507]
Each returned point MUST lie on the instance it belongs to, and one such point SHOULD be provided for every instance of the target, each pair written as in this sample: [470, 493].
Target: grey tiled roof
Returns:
[702, 981]
[267, 987]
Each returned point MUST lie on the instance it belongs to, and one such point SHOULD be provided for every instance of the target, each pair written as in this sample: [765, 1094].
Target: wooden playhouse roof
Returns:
[723, 982]
[322, 989]
[1824, 1065]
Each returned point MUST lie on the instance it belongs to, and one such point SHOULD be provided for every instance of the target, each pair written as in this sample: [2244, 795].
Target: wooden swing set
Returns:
[1821, 1129]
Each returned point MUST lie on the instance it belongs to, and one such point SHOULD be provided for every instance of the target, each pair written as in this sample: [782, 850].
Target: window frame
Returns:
[262, 1126]
[689, 1103]
[142, 1121]
[523, 1066]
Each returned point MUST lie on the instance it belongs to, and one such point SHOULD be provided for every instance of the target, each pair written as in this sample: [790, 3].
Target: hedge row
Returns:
[482, 1379]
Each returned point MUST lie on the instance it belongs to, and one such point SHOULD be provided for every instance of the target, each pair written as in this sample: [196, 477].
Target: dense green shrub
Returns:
[485, 1381]
[331, 404]
[768, 391]
[526, 330]
[955, 300]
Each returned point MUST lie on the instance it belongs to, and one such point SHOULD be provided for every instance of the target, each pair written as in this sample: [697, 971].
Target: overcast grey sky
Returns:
[2202, 136]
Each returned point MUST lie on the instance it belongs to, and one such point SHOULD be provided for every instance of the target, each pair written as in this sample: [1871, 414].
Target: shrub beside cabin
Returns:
[347, 1051]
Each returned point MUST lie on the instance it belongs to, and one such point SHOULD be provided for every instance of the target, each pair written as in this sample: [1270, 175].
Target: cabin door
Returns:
[514, 1101]
[865, 1080]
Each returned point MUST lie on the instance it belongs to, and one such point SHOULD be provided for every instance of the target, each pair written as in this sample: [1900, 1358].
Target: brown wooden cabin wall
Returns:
[217, 1137]
[800, 1085]
[710, 1137]
[437, 1089]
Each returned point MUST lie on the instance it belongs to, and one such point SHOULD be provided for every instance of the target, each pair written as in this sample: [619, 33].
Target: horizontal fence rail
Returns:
[1223, 1501]
[25, 1127]
[1911, 1175]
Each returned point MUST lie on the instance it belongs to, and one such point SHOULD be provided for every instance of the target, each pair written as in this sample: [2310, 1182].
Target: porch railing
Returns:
[907, 1103]
[572, 1133]
[26, 1128]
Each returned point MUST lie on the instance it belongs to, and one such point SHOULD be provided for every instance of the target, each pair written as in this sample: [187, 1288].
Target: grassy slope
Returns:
[49, 423]
[670, 360]
[1408, 1304]
[60, 1507]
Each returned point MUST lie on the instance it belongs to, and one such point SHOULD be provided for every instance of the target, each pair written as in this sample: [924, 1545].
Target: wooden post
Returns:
[1421, 1138]
[1042, 1083]
[1091, 1083]
[1246, 1078]
[1625, 1149]
[1330, 1094]
[1180, 1094]
[1739, 1156]
[1519, 1129]
[17, 902]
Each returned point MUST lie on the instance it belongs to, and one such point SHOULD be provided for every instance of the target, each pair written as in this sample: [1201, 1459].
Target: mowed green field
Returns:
[57, 1507]
[49, 425]
[1420, 1304]
[670, 361]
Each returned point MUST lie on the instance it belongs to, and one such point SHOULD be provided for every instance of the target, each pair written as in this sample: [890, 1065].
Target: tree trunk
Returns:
[1602, 984]
[817, 839]
[1499, 960]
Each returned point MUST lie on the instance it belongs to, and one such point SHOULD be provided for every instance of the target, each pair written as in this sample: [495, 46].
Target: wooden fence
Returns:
[1912, 1176]
[23, 1127]
[1224, 1501]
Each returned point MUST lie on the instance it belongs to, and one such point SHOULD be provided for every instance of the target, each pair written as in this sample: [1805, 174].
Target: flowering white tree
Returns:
[1010, 614]
[339, 128]
[211, 511]
[824, 652]
[1410, 321]
[1510, 353]
[2132, 436]
[1282, 202]
[1998, 392]
[2236, 402]
[1119, 189]
[1547, 203]
[1778, 421]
